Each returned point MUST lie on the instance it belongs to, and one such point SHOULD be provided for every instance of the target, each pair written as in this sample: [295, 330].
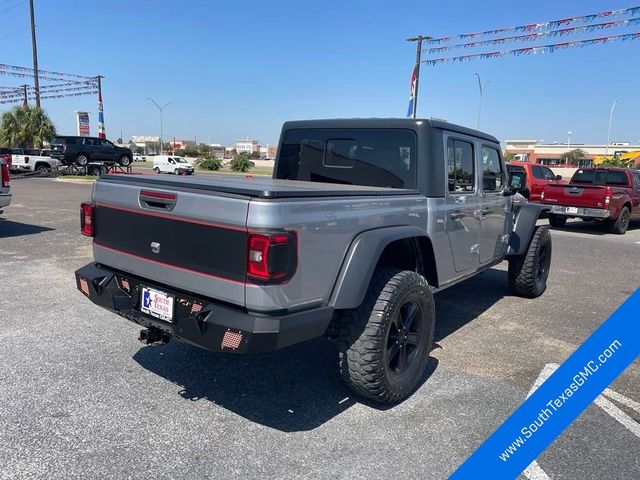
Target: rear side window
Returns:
[537, 172]
[372, 157]
[492, 177]
[460, 166]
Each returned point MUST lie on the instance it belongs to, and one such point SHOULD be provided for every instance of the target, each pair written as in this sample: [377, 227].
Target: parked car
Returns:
[534, 178]
[360, 223]
[139, 158]
[5, 195]
[34, 161]
[609, 195]
[83, 150]
[171, 164]
[5, 154]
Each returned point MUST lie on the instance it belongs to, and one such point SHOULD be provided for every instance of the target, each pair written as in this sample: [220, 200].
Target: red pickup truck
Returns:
[609, 195]
[535, 178]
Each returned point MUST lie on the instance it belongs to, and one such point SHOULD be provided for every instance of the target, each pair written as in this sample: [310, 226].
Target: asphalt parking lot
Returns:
[80, 397]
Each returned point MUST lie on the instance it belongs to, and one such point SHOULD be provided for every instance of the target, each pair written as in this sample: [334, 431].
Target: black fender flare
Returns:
[524, 227]
[361, 260]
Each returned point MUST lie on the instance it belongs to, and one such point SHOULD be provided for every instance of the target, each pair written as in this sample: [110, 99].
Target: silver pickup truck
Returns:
[362, 221]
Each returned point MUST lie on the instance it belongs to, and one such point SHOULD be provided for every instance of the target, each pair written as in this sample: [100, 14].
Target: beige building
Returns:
[536, 152]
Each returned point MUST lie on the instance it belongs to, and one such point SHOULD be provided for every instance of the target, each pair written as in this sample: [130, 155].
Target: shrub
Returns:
[210, 163]
[240, 163]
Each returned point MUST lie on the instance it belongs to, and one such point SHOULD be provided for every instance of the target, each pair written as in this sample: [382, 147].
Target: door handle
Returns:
[479, 214]
[457, 215]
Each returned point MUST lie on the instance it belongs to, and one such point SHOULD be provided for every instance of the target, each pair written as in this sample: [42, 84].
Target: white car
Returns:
[139, 158]
[172, 164]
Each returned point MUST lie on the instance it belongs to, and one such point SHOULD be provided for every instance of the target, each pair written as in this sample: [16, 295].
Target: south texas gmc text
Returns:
[361, 223]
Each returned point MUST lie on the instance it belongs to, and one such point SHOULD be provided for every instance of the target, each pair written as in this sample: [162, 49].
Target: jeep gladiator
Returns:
[607, 195]
[362, 221]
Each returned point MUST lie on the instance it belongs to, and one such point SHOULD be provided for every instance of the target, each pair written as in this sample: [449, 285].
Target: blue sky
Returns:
[240, 68]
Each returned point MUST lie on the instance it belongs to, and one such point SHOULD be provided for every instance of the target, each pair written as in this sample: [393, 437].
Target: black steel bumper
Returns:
[198, 320]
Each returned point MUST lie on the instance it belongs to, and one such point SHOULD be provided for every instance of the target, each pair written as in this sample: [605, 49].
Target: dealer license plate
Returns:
[157, 304]
[572, 210]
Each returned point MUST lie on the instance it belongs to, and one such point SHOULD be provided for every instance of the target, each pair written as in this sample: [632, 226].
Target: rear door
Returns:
[635, 199]
[107, 150]
[492, 213]
[462, 201]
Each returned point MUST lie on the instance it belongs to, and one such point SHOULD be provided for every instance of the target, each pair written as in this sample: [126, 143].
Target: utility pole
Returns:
[419, 39]
[34, 46]
[25, 102]
[161, 110]
[610, 119]
[482, 89]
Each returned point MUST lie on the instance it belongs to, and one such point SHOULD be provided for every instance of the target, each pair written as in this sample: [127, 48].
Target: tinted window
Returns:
[32, 152]
[105, 143]
[608, 177]
[548, 174]
[460, 166]
[492, 177]
[373, 157]
[515, 168]
[617, 177]
[91, 141]
[537, 172]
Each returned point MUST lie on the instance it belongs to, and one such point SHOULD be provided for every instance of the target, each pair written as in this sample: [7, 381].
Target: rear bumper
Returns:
[5, 199]
[201, 321]
[580, 212]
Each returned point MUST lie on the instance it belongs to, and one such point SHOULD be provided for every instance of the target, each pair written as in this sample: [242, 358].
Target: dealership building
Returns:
[536, 152]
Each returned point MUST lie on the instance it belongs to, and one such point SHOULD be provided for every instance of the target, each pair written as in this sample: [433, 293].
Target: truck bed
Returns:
[255, 187]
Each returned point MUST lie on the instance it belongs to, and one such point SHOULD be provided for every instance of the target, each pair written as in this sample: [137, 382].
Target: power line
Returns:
[13, 6]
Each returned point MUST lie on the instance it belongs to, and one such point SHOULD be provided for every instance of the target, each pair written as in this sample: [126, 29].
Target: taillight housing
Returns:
[5, 175]
[271, 256]
[607, 197]
[87, 219]
[26, 159]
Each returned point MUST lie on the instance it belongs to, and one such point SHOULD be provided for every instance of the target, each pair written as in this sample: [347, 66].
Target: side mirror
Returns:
[558, 177]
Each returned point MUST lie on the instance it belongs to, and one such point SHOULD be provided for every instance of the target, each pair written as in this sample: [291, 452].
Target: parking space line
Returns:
[621, 417]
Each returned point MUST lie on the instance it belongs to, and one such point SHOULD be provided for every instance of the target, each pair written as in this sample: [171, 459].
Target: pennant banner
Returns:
[532, 27]
[43, 73]
[20, 98]
[537, 35]
[535, 50]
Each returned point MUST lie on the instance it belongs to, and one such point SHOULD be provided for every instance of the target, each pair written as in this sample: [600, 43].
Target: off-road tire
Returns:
[365, 336]
[82, 159]
[619, 225]
[528, 273]
[42, 168]
[124, 161]
[557, 221]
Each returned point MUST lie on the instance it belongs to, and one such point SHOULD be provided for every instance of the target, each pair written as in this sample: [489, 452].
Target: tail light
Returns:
[26, 159]
[5, 175]
[271, 257]
[607, 197]
[87, 216]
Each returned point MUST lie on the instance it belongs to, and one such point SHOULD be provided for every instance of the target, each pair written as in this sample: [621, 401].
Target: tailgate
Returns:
[189, 241]
[575, 195]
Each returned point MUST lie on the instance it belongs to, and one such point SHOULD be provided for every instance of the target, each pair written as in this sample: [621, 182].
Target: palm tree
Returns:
[24, 127]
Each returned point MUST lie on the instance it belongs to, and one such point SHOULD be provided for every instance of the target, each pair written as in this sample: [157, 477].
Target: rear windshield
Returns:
[603, 177]
[372, 157]
[515, 168]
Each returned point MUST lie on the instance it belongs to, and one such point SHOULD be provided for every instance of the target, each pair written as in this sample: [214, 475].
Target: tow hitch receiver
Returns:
[153, 336]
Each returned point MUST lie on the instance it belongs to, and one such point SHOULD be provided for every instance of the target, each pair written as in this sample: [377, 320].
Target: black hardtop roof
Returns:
[387, 123]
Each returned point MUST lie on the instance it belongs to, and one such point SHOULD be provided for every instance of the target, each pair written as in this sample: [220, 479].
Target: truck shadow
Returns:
[10, 228]
[593, 228]
[466, 301]
[299, 388]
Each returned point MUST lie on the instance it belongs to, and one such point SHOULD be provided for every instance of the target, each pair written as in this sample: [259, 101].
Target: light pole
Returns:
[419, 39]
[609, 134]
[569, 133]
[482, 89]
[161, 110]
